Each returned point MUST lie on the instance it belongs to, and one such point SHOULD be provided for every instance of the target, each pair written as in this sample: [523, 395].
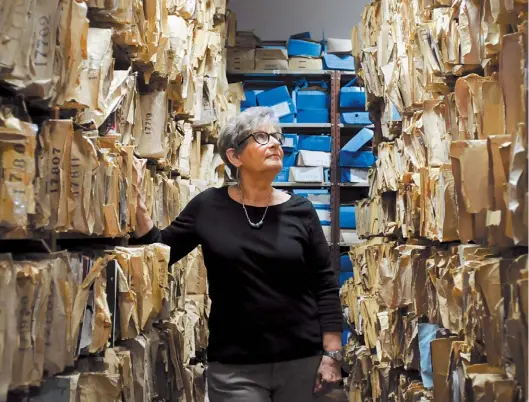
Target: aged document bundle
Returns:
[439, 290]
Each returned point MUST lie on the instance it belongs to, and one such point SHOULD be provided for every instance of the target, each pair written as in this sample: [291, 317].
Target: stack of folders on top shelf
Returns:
[100, 102]
[307, 158]
[438, 301]
[62, 310]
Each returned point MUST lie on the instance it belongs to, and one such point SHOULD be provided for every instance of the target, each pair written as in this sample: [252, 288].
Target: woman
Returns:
[275, 320]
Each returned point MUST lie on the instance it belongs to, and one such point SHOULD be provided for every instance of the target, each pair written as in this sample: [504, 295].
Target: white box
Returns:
[306, 174]
[349, 236]
[358, 175]
[324, 214]
[320, 199]
[314, 158]
[327, 232]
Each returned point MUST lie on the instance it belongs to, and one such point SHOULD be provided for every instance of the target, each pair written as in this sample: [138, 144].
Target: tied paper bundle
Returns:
[18, 142]
[35, 305]
[29, 58]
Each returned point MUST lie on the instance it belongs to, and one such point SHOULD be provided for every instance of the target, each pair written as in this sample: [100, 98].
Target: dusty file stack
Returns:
[62, 310]
[440, 286]
[100, 100]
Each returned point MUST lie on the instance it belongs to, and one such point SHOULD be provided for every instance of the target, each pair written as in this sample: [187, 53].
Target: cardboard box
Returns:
[314, 158]
[301, 63]
[306, 174]
[247, 39]
[289, 159]
[271, 53]
[316, 196]
[241, 59]
[291, 142]
[271, 65]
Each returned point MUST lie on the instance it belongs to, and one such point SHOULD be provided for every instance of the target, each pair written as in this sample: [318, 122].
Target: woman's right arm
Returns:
[180, 235]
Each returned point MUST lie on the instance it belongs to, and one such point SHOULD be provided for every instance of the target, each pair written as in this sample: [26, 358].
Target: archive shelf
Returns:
[335, 80]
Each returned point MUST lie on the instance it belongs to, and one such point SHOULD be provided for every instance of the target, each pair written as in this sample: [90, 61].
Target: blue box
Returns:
[348, 217]
[345, 337]
[355, 118]
[291, 118]
[313, 116]
[315, 143]
[338, 62]
[303, 48]
[291, 142]
[282, 177]
[251, 98]
[353, 98]
[350, 154]
[344, 276]
[312, 99]
[327, 174]
[289, 159]
[346, 265]
[279, 100]
[360, 159]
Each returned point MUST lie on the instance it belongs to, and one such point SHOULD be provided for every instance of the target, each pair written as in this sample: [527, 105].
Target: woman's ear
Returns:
[233, 157]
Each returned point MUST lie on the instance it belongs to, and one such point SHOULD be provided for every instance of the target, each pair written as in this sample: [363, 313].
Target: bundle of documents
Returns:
[437, 286]
[458, 290]
[85, 303]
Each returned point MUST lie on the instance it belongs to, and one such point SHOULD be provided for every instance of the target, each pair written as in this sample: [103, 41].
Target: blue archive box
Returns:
[282, 177]
[311, 99]
[280, 101]
[320, 143]
[291, 118]
[289, 159]
[350, 154]
[345, 337]
[355, 118]
[344, 276]
[313, 116]
[346, 265]
[338, 62]
[303, 47]
[348, 217]
[251, 98]
[352, 97]
[291, 142]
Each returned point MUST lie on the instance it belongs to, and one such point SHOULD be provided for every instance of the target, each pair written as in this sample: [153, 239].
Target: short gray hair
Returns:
[242, 125]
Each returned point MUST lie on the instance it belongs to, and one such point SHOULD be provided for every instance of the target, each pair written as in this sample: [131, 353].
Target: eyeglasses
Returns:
[263, 138]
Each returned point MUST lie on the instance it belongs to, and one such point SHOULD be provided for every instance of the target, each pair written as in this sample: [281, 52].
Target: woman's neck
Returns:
[256, 191]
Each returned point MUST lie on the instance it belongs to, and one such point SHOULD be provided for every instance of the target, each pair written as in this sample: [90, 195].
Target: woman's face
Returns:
[258, 158]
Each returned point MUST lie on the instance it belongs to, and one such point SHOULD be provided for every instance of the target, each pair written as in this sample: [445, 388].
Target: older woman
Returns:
[275, 319]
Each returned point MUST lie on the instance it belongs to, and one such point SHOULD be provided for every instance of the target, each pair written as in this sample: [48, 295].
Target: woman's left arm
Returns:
[326, 291]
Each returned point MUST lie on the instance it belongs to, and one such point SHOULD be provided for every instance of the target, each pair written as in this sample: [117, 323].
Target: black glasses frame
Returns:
[281, 138]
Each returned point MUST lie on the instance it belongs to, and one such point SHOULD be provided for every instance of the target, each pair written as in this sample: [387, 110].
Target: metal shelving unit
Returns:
[336, 79]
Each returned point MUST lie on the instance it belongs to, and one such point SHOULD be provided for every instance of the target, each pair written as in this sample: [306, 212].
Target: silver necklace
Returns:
[260, 223]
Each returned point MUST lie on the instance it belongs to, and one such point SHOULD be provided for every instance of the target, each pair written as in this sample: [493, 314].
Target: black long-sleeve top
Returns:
[273, 289]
